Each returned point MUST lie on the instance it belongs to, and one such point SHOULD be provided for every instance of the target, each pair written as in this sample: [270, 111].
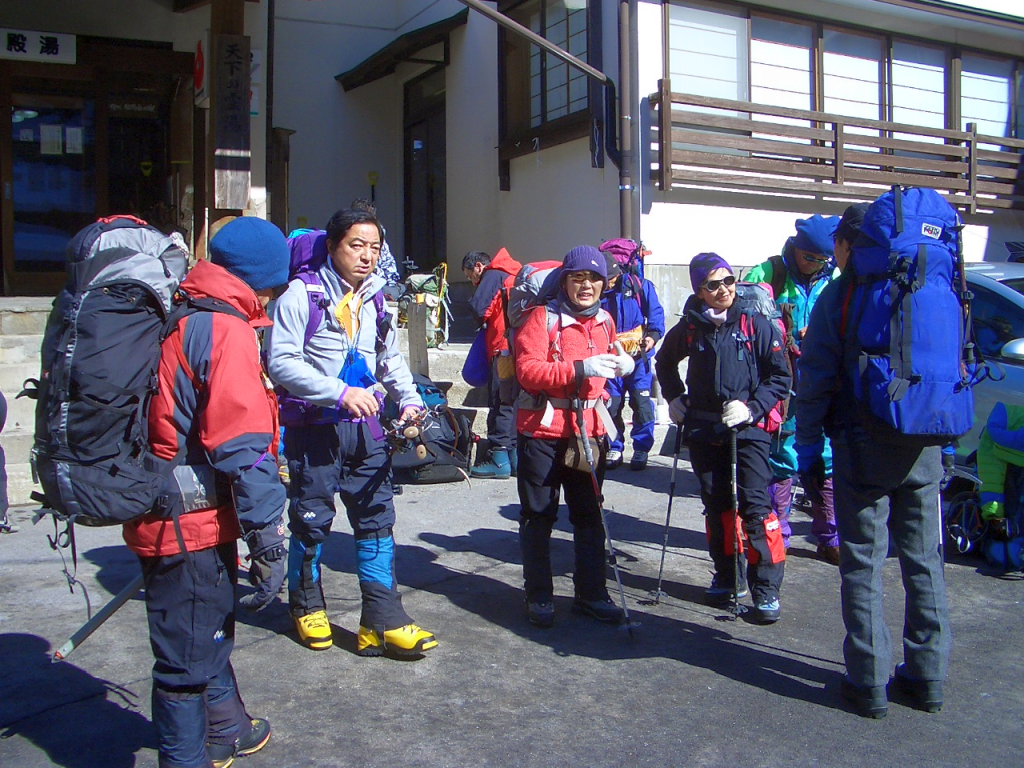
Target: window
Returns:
[985, 94]
[538, 88]
[996, 321]
[708, 53]
[918, 85]
[781, 63]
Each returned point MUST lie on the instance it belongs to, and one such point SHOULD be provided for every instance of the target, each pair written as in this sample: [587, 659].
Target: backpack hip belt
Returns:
[541, 402]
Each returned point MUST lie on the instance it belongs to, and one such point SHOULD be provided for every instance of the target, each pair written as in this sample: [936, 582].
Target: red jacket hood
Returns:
[503, 261]
[207, 280]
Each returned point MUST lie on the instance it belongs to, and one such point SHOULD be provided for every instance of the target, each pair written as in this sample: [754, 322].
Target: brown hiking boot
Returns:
[829, 554]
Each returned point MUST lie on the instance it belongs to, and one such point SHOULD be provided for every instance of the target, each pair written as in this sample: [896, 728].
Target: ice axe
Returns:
[97, 621]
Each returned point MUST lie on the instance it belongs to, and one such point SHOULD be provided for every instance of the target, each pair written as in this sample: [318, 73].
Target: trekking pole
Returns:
[657, 594]
[734, 481]
[589, 454]
[97, 621]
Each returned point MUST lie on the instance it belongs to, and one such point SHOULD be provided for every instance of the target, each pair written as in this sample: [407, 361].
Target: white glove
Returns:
[602, 366]
[735, 413]
[624, 364]
[677, 410]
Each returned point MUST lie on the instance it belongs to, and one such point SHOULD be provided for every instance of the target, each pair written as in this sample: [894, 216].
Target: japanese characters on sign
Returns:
[27, 45]
[230, 116]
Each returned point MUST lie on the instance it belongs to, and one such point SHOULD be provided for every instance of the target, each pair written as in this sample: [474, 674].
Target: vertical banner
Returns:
[230, 121]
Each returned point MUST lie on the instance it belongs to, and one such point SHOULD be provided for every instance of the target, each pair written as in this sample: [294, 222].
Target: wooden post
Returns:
[972, 167]
[418, 360]
[840, 154]
[228, 149]
[665, 134]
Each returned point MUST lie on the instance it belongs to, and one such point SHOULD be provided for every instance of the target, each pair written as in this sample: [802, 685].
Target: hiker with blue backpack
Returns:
[737, 374]
[798, 276]
[332, 342]
[491, 277]
[889, 397]
[633, 303]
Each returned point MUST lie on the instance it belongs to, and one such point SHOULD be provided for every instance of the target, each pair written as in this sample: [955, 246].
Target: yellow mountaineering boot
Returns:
[409, 640]
[314, 630]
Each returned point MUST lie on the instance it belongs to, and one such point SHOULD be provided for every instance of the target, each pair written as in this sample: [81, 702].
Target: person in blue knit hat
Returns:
[798, 276]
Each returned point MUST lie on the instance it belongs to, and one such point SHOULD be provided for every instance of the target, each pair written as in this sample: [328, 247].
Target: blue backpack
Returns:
[906, 321]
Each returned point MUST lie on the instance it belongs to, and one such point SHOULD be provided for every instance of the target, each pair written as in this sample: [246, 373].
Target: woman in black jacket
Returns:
[737, 373]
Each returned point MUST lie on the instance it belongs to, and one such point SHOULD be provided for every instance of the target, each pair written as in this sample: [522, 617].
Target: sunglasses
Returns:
[713, 285]
[814, 259]
[585, 276]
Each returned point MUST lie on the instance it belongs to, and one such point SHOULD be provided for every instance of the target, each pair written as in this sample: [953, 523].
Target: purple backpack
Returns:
[308, 249]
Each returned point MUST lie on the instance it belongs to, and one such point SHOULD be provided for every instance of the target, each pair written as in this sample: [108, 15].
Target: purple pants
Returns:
[780, 493]
[823, 514]
[823, 517]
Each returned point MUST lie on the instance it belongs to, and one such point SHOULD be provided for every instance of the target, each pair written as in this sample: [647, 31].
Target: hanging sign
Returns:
[26, 45]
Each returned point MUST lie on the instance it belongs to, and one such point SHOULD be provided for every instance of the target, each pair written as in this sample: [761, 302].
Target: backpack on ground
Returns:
[100, 353]
[430, 289]
[756, 299]
[905, 321]
[447, 435]
[308, 249]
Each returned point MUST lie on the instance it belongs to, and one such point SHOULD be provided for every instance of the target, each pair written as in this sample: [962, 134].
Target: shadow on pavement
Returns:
[69, 714]
[500, 604]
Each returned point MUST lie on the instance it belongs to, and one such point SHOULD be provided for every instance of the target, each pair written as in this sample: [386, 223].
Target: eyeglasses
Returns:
[585, 276]
[713, 285]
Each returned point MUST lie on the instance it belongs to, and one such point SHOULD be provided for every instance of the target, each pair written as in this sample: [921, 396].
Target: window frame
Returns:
[588, 121]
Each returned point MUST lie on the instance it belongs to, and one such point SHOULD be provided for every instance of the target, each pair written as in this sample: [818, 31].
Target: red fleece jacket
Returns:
[545, 362]
[494, 316]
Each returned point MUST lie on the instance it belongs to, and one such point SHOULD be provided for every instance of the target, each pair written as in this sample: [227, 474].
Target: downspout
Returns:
[622, 158]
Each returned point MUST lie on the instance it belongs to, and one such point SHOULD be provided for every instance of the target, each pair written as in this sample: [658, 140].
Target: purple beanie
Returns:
[704, 264]
[585, 257]
[814, 235]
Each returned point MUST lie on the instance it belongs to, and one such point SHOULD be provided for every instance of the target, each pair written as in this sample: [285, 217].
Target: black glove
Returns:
[266, 565]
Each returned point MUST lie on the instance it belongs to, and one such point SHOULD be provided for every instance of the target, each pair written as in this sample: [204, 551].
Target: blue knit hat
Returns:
[253, 250]
[704, 264]
[814, 235]
[585, 257]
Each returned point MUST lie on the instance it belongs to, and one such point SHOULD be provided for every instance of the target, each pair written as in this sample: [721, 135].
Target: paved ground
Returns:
[692, 688]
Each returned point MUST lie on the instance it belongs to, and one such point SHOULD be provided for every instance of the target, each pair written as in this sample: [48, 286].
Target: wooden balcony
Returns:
[720, 144]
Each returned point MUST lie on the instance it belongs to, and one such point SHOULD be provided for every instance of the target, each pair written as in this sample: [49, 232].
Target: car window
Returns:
[996, 321]
[1016, 283]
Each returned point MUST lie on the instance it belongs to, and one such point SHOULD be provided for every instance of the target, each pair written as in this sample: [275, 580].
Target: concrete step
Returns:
[17, 445]
[13, 375]
[20, 348]
[24, 315]
[21, 414]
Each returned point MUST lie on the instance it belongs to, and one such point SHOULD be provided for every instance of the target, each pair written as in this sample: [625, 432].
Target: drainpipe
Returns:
[622, 156]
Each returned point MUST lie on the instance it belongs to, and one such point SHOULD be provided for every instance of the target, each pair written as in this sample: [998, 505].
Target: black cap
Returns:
[849, 225]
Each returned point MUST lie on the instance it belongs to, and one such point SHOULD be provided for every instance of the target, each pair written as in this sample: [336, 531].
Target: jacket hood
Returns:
[503, 260]
[207, 280]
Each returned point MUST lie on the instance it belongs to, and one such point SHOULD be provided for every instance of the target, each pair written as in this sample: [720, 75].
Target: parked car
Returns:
[998, 312]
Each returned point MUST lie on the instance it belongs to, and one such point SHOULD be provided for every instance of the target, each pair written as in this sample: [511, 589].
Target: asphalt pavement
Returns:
[690, 688]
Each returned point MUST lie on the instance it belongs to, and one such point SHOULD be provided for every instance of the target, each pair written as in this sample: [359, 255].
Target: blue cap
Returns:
[254, 251]
[814, 235]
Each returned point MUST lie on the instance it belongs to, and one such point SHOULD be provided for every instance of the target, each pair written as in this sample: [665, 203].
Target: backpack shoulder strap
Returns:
[779, 275]
[317, 296]
[383, 320]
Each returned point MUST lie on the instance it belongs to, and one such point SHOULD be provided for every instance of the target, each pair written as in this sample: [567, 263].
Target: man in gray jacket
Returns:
[337, 445]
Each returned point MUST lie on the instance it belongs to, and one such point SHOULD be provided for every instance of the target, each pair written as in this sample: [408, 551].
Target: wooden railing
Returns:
[709, 143]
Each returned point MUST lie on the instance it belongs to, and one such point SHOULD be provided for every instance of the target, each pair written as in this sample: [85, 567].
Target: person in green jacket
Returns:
[797, 277]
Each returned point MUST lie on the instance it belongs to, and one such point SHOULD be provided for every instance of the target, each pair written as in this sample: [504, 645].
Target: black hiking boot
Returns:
[925, 695]
[603, 610]
[867, 702]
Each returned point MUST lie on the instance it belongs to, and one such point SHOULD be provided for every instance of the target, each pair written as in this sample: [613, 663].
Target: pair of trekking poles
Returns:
[657, 593]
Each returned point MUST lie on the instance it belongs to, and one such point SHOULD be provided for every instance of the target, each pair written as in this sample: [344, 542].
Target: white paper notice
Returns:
[51, 139]
[25, 134]
[73, 140]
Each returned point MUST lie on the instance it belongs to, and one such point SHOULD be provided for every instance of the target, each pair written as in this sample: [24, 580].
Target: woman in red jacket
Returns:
[563, 351]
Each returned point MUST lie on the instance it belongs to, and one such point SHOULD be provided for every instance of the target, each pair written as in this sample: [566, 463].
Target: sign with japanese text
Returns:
[230, 116]
[26, 45]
